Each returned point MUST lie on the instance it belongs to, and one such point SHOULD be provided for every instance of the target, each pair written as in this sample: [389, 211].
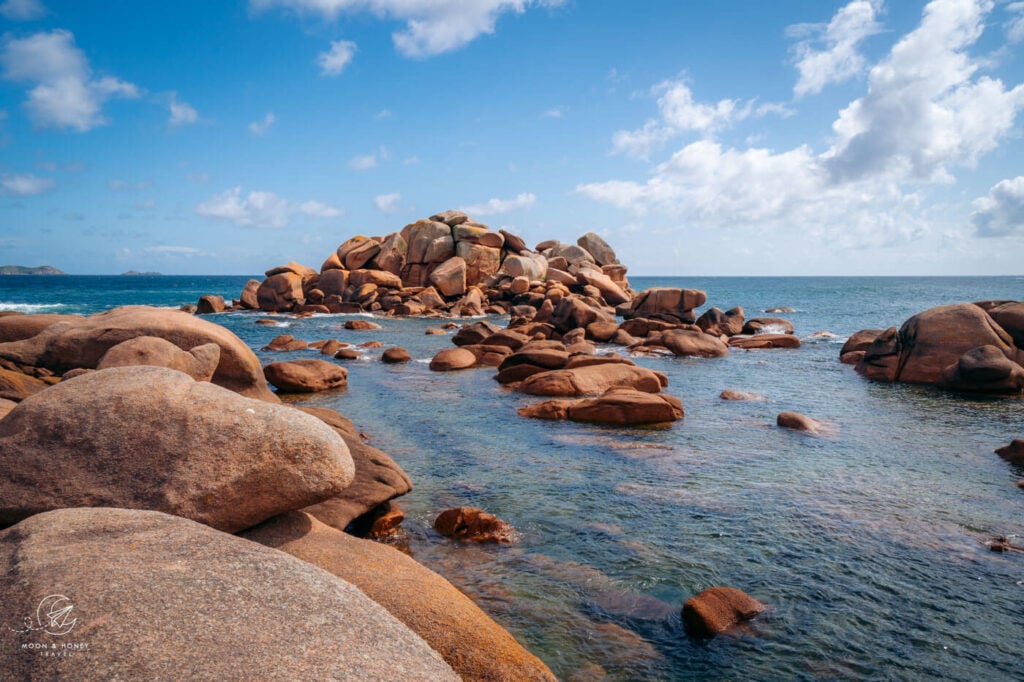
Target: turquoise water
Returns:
[866, 543]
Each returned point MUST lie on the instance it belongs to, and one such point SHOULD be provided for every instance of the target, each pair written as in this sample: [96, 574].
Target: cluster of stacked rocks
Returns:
[447, 264]
[967, 347]
[144, 444]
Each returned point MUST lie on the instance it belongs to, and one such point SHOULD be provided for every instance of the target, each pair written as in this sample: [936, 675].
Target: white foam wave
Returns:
[773, 329]
[30, 307]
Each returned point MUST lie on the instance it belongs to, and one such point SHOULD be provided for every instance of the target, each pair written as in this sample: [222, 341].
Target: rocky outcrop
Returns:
[676, 305]
[16, 327]
[984, 369]
[689, 343]
[616, 406]
[593, 379]
[1014, 452]
[931, 341]
[305, 376]
[155, 596]
[199, 362]
[83, 342]
[469, 524]
[469, 640]
[717, 610]
[152, 438]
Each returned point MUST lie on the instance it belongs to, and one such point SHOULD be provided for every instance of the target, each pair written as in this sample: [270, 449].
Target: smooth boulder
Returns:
[152, 438]
[474, 645]
[83, 342]
[153, 596]
[688, 343]
[616, 406]
[984, 369]
[593, 379]
[305, 376]
[452, 359]
[199, 362]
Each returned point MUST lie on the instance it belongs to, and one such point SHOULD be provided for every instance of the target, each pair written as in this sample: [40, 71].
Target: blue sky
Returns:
[724, 138]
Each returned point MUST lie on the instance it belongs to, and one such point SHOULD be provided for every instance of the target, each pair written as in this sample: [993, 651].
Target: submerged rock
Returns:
[717, 610]
[1014, 452]
[729, 394]
[800, 422]
[617, 406]
[172, 444]
[470, 641]
[160, 597]
[470, 524]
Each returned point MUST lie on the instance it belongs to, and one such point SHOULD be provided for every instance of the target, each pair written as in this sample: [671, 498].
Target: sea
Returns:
[867, 543]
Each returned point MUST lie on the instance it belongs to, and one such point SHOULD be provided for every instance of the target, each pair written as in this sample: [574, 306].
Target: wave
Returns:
[7, 306]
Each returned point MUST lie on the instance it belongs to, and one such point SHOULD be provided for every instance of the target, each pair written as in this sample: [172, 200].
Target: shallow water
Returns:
[865, 543]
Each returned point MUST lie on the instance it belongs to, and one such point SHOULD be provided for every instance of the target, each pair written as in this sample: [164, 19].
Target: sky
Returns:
[734, 137]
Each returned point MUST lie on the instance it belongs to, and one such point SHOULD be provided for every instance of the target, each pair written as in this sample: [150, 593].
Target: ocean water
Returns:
[867, 543]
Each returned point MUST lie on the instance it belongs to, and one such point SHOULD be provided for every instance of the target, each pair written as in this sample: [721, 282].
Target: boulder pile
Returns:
[447, 264]
[967, 347]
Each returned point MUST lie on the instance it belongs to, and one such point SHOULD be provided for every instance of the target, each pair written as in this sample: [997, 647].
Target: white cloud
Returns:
[22, 10]
[261, 128]
[383, 114]
[363, 162]
[25, 184]
[839, 59]
[925, 113]
[555, 112]
[1015, 26]
[118, 185]
[1001, 213]
[333, 61]
[65, 95]
[181, 113]
[318, 209]
[260, 209]
[387, 203]
[493, 206]
[174, 250]
[431, 27]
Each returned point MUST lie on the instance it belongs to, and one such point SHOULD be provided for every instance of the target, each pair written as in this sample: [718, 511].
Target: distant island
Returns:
[23, 270]
[136, 273]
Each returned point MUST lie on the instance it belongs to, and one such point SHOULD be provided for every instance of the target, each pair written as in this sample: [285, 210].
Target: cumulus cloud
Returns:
[494, 206]
[555, 112]
[333, 61]
[368, 161]
[181, 113]
[261, 128]
[926, 112]
[25, 184]
[22, 10]
[259, 209]
[431, 27]
[1015, 26]
[387, 203]
[66, 94]
[1001, 213]
[837, 59]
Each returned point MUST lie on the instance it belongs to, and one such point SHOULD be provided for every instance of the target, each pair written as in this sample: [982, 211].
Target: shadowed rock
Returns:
[172, 444]
[617, 406]
[984, 370]
[469, 524]
[159, 597]
[473, 644]
[1014, 452]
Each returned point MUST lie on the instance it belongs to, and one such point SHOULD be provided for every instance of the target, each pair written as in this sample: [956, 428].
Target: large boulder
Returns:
[280, 293]
[610, 291]
[152, 438]
[931, 341]
[199, 362]
[18, 327]
[420, 235]
[152, 596]
[451, 359]
[984, 369]
[449, 278]
[688, 343]
[532, 266]
[83, 342]
[598, 248]
[391, 257]
[377, 480]
[469, 640]
[593, 379]
[1010, 316]
[718, 323]
[666, 301]
[481, 261]
[17, 386]
[306, 376]
[356, 252]
[617, 406]
[718, 609]
[248, 298]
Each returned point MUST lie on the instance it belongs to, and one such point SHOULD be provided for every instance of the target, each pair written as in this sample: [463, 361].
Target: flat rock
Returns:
[616, 406]
[171, 444]
[306, 376]
[469, 640]
[719, 609]
[83, 342]
[160, 597]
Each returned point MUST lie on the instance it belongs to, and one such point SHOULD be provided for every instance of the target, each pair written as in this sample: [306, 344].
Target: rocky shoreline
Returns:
[168, 436]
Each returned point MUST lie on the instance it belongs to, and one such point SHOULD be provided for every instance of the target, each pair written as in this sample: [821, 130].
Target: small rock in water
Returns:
[395, 355]
[1014, 452]
[361, 325]
[729, 394]
[799, 422]
[347, 354]
[718, 609]
[305, 376]
[470, 524]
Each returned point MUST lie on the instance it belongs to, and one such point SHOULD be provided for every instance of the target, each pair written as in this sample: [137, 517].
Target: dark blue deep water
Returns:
[866, 543]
